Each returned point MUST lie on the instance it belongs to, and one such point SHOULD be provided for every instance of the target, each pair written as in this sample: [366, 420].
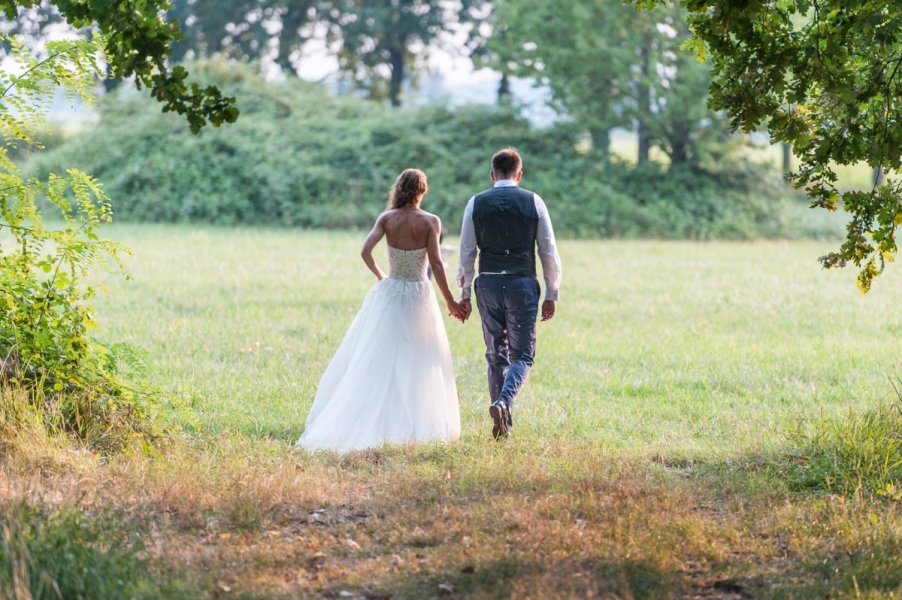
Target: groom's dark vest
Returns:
[506, 221]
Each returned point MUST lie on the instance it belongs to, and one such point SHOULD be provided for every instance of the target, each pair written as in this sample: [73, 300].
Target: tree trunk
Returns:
[601, 142]
[504, 89]
[396, 62]
[644, 144]
[292, 20]
[679, 151]
[644, 101]
[787, 158]
[879, 176]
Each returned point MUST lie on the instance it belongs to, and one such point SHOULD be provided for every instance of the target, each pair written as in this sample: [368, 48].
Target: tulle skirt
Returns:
[391, 379]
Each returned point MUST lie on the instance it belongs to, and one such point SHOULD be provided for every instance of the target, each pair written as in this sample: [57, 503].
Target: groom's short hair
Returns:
[506, 162]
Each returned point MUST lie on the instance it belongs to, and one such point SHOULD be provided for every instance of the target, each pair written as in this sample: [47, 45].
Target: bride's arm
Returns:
[366, 253]
[434, 250]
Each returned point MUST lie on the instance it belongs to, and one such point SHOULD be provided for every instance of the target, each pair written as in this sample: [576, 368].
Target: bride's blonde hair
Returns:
[410, 185]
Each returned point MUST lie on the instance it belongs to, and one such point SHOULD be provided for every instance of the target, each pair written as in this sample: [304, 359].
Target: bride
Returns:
[391, 379]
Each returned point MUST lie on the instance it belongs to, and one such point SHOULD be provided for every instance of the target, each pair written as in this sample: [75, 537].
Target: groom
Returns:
[504, 225]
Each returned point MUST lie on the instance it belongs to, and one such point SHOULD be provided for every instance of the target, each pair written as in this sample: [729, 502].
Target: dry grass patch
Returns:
[248, 516]
[259, 518]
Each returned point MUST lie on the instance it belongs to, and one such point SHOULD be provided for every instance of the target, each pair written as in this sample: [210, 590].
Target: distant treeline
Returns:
[299, 156]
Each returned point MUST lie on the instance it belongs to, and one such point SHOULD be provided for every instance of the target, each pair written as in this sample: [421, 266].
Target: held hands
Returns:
[455, 310]
[459, 310]
[467, 307]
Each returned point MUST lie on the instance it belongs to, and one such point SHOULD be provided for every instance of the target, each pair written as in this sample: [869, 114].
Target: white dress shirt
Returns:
[551, 261]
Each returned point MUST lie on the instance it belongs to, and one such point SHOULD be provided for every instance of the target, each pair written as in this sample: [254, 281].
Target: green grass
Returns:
[654, 452]
[860, 453]
[657, 348]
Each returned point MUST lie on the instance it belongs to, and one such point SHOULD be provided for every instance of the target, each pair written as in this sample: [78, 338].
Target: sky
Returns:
[449, 77]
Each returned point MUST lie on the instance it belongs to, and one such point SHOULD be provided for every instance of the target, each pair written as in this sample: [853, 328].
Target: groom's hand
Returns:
[547, 309]
[467, 308]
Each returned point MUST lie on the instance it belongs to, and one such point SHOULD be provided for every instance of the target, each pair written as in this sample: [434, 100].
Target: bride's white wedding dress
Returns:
[391, 380]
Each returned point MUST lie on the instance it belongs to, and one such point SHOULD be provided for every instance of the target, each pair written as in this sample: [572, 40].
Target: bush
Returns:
[741, 201]
[300, 157]
[46, 352]
[52, 555]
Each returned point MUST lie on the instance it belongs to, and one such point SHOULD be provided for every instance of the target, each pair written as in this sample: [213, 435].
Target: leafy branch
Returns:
[137, 42]
[830, 88]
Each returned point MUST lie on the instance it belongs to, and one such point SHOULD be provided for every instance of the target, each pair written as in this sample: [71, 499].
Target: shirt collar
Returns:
[505, 183]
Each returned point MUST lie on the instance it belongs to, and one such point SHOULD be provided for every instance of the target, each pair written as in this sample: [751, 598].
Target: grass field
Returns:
[649, 455]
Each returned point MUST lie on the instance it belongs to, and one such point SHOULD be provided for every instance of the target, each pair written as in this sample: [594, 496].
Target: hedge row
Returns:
[301, 157]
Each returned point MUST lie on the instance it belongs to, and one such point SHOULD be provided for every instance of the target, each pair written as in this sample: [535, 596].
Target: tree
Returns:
[136, 43]
[242, 29]
[586, 71]
[379, 44]
[375, 36]
[609, 66]
[824, 76]
[671, 111]
[488, 48]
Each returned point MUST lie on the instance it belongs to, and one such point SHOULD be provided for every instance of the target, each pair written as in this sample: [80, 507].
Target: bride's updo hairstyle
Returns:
[410, 185]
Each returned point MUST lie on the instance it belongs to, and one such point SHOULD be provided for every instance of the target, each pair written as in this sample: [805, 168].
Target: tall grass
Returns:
[855, 455]
[61, 554]
[101, 422]
[105, 416]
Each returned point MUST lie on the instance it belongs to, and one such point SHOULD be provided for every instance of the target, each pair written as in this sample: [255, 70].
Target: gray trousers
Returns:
[508, 306]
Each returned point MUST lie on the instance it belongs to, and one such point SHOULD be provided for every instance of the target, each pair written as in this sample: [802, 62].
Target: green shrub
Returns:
[741, 201]
[301, 157]
[45, 313]
[53, 555]
[45, 316]
[859, 454]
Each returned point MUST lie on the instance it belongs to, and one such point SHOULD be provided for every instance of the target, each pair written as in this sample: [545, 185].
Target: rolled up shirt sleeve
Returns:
[467, 269]
[547, 247]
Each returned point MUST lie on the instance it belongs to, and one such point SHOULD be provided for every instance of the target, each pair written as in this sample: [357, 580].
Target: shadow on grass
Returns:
[871, 570]
[827, 498]
[535, 579]
[64, 553]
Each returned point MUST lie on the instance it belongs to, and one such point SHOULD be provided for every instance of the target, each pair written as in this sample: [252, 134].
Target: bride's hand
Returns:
[455, 310]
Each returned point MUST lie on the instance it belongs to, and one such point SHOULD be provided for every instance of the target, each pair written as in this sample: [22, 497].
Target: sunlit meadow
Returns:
[648, 449]
[666, 348]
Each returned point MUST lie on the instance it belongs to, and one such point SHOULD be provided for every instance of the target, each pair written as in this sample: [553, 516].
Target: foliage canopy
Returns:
[826, 77]
[379, 45]
[137, 41]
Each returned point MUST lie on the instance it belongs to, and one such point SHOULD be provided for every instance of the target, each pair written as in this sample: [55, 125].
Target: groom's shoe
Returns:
[500, 417]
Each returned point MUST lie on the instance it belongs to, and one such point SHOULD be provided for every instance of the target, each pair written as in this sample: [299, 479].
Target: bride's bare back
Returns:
[407, 228]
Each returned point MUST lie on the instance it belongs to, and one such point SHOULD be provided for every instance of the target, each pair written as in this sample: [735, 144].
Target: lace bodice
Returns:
[409, 265]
